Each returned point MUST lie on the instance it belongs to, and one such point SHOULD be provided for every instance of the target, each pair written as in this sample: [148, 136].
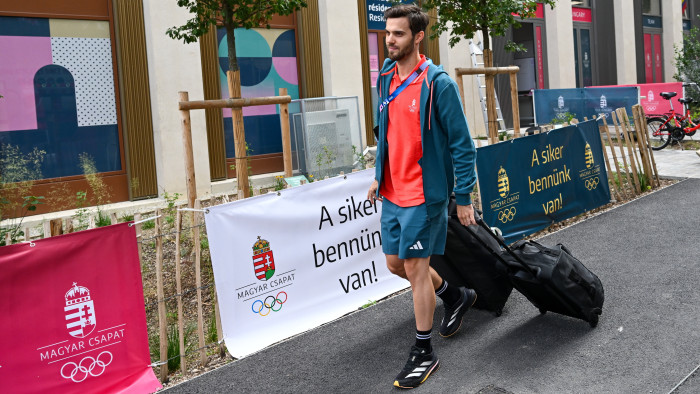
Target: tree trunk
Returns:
[485, 31]
[485, 35]
[233, 76]
[491, 99]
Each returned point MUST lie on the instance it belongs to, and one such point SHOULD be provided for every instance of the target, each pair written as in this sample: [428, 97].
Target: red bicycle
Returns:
[671, 126]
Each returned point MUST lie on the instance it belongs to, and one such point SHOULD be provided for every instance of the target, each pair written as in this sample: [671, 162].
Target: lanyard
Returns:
[405, 83]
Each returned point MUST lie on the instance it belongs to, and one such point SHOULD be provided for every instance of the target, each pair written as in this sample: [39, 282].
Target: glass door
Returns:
[583, 56]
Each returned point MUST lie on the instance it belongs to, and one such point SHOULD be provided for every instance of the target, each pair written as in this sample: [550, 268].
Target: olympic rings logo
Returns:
[592, 183]
[82, 370]
[506, 215]
[269, 304]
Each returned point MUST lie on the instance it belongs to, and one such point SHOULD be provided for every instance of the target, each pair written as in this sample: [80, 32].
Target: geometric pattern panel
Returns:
[20, 58]
[57, 77]
[268, 62]
[90, 62]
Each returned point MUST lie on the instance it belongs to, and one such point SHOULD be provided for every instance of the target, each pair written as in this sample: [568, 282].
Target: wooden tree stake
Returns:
[607, 164]
[286, 138]
[162, 314]
[640, 127]
[189, 154]
[56, 226]
[47, 229]
[197, 245]
[619, 138]
[137, 229]
[515, 104]
[623, 193]
[219, 330]
[642, 116]
[178, 285]
[630, 150]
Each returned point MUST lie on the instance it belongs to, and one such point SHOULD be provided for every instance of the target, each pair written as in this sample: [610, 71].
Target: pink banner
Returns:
[651, 99]
[653, 103]
[581, 15]
[73, 315]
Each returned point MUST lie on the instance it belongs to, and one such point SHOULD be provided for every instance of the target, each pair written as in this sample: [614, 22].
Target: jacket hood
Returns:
[433, 69]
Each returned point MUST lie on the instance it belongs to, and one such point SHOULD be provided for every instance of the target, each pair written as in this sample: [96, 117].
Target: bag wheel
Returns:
[594, 321]
[542, 311]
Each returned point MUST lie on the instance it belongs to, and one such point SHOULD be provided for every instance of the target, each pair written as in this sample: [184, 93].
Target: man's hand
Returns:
[372, 193]
[465, 213]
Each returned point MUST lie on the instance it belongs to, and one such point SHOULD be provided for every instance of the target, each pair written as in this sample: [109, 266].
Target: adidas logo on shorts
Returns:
[417, 246]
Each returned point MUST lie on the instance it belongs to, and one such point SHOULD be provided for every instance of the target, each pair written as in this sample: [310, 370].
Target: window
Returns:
[651, 7]
[58, 80]
[581, 3]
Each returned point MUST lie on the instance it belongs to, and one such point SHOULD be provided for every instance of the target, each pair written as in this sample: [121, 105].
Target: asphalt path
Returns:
[648, 339]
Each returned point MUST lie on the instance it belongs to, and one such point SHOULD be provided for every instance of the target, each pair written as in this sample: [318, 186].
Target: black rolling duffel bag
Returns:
[472, 259]
[552, 279]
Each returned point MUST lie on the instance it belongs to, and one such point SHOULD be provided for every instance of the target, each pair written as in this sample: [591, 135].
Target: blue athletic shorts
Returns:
[409, 232]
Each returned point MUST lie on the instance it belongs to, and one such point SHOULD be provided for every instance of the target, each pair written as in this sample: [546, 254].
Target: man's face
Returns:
[399, 39]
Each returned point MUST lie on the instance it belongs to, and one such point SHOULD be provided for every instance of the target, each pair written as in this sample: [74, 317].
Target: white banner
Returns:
[284, 264]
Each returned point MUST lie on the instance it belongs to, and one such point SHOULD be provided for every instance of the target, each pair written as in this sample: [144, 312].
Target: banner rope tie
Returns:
[144, 220]
[192, 210]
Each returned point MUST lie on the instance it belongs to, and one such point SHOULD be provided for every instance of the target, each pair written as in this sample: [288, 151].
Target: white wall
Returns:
[459, 56]
[340, 51]
[672, 21]
[625, 47]
[560, 46]
[173, 67]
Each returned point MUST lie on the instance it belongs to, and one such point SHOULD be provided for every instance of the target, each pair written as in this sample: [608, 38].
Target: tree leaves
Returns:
[464, 18]
[244, 14]
[687, 60]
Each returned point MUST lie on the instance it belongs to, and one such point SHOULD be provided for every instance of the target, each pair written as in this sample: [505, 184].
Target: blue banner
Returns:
[555, 105]
[528, 183]
[375, 13]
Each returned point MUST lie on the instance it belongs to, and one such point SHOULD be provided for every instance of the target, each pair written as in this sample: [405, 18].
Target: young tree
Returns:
[463, 18]
[487, 16]
[687, 61]
[232, 14]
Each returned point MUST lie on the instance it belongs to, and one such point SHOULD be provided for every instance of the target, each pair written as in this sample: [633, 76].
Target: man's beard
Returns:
[400, 54]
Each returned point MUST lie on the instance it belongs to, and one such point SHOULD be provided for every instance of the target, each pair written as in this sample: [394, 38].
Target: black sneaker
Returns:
[419, 366]
[452, 319]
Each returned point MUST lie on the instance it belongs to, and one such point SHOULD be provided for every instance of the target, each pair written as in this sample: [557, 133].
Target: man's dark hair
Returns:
[417, 18]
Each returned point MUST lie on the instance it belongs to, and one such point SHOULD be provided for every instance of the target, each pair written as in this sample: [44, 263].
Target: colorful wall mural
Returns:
[57, 79]
[267, 59]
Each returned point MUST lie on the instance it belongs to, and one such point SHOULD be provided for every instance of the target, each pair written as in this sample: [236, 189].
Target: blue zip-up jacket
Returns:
[448, 150]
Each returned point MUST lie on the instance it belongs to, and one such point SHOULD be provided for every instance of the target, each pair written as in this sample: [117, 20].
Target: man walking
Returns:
[423, 146]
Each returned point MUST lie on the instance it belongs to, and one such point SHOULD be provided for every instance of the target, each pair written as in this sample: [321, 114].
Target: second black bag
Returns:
[471, 259]
[553, 279]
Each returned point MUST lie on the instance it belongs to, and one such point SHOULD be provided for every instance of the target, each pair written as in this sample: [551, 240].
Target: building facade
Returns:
[99, 79]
